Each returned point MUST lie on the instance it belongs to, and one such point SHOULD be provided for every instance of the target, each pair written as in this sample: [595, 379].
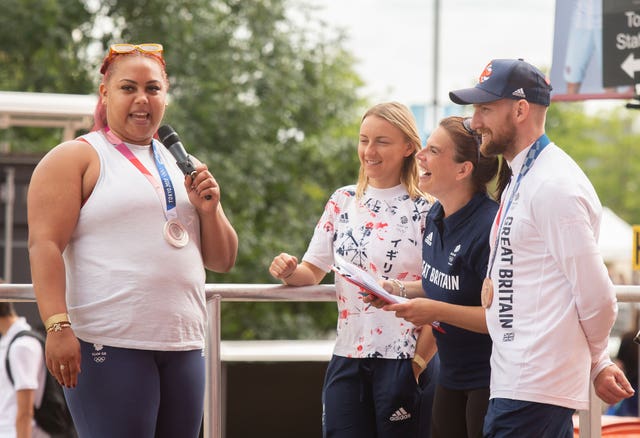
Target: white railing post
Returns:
[213, 387]
[590, 421]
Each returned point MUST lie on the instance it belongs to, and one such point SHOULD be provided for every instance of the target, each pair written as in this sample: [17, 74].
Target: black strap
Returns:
[20, 334]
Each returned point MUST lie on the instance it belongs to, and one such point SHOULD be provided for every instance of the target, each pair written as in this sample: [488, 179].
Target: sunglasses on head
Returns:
[128, 48]
[152, 49]
[466, 123]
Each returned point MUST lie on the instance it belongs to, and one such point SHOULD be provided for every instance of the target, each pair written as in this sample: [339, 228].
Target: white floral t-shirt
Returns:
[381, 233]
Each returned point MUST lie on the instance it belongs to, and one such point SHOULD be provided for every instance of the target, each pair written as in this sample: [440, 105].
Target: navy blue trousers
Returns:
[129, 393]
[371, 398]
[508, 418]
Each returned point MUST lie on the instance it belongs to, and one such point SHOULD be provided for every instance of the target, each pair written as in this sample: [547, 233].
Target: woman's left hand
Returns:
[374, 300]
[203, 190]
[418, 311]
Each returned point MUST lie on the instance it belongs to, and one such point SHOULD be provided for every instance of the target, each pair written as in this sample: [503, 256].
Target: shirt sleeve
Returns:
[320, 250]
[26, 360]
[569, 223]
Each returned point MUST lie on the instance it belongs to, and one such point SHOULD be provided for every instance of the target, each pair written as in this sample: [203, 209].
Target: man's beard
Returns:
[492, 148]
[499, 142]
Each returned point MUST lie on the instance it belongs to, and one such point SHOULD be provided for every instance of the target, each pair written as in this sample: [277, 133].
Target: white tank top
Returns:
[126, 286]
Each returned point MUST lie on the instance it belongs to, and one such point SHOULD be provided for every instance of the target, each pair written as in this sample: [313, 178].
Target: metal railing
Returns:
[590, 421]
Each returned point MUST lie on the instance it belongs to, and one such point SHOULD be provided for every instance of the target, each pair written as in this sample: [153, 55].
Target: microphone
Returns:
[171, 141]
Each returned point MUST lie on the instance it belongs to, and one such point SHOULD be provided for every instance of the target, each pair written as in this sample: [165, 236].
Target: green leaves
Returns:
[605, 145]
[267, 110]
[266, 100]
[267, 96]
[42, 44]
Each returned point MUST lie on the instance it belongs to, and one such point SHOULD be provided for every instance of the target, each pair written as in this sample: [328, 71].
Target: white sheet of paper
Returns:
[363, 279]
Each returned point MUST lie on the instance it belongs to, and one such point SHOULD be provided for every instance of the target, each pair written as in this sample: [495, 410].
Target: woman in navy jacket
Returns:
[455, 252]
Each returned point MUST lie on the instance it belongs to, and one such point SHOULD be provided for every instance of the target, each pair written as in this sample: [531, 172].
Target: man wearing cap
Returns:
[549, 302]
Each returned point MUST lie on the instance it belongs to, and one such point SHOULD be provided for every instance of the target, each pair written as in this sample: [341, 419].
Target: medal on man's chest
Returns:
[486, 296]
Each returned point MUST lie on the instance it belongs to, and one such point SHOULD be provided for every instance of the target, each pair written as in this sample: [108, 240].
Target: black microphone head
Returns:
[167, 135]
[171, 141]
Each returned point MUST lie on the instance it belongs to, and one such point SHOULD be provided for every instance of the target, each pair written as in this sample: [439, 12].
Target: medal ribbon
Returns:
[165, 191]
[529, 160]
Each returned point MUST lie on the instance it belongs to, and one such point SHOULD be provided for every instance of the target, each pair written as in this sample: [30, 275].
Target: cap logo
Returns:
[519, 93]
[485, 73]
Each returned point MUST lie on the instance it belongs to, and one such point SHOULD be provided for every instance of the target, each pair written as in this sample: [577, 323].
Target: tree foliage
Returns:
[605, 145]
[42, 48]
[263, 96]
[272, 108]
[268, 99]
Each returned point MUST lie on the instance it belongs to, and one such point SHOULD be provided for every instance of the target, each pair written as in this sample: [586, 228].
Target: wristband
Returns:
[403, 289]
[58, 326]
[418, 360]
[58, 318]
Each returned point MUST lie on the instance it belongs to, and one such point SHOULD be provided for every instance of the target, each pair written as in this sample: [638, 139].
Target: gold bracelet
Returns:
[55, 319]
[58, 326]
[419, 361]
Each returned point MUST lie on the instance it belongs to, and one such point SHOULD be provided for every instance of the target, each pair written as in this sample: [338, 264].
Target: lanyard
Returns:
[529, 160]
[164, 191]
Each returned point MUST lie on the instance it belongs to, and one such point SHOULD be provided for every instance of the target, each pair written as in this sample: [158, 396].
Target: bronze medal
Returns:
[175, 234]
[487, 293]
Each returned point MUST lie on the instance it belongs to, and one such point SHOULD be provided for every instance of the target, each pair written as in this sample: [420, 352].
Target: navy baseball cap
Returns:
[506, 79]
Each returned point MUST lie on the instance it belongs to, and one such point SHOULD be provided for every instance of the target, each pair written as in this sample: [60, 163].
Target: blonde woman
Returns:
[370, 387]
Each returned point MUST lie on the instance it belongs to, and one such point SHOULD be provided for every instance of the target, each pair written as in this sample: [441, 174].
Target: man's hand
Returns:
[611, 385]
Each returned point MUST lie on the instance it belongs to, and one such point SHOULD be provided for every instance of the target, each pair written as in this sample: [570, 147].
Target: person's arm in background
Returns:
[26, 363]
[24, 414]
